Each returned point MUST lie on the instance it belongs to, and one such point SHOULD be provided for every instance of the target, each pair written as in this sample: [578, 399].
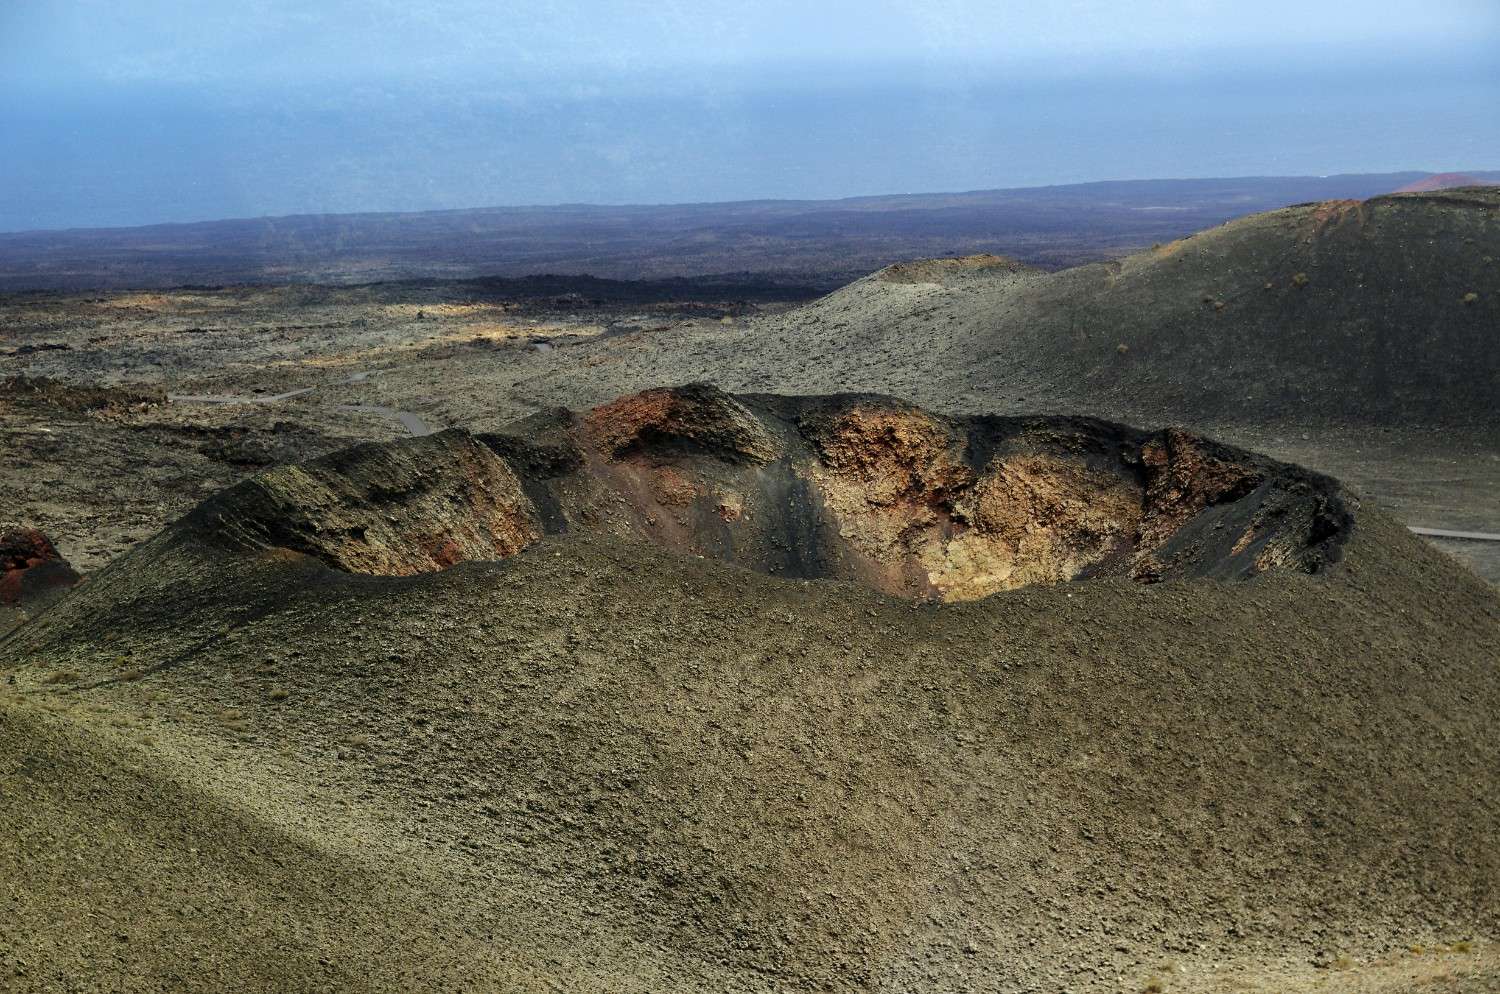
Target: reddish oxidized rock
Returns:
[858, 488]
[30, 565]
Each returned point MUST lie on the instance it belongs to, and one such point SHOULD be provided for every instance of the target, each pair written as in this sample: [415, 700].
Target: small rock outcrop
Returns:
[392, 509]
[31, 567]
[696, 419]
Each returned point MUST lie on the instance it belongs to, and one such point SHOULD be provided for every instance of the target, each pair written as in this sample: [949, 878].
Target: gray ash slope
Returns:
[604, 764]
[1380, 314]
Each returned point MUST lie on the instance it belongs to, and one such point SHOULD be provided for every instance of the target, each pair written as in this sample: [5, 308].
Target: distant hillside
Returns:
[1383, 312]
[825, 243]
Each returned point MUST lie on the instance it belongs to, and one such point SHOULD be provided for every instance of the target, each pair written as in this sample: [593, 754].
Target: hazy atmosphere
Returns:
[150, 111]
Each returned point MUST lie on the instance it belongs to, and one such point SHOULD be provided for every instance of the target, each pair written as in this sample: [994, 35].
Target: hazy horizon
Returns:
[565, 205]
[272, 108]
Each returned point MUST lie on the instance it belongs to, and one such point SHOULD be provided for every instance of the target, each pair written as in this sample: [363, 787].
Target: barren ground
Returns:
[99, 473]
[524, 776]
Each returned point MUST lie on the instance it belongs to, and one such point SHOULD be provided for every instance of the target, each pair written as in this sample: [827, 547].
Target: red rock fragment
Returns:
[31, 565]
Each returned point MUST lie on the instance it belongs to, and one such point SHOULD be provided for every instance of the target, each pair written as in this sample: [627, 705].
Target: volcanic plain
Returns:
[972, 627]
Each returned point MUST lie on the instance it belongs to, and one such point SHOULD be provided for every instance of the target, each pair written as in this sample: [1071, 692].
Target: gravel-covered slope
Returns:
[603, 765]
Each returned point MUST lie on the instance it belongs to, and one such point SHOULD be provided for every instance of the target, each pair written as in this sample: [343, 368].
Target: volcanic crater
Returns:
[466, 711]
[859, 488]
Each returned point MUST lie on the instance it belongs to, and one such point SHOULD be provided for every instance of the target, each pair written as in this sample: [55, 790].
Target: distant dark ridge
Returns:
[593, 290]
[822, 243]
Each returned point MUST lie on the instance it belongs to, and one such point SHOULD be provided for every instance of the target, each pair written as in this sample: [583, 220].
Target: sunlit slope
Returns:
[1385, 311]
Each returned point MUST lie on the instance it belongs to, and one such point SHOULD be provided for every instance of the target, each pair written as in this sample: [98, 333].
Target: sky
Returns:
[118, 112]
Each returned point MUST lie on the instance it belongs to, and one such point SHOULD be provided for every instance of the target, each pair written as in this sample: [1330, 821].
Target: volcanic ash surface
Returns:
[701, 692]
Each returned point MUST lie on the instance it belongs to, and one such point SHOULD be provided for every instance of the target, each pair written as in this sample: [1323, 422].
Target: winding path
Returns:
[412, 422]
[1449, 533]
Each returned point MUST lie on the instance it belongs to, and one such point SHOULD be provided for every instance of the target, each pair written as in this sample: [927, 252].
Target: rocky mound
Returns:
[40, 391]
[392, 510]
[1377, 312]
[32, 574]
[600, 764]
[30, 566]
[856, 488]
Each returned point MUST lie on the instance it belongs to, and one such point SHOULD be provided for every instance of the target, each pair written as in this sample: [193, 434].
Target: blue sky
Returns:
[134, 111]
